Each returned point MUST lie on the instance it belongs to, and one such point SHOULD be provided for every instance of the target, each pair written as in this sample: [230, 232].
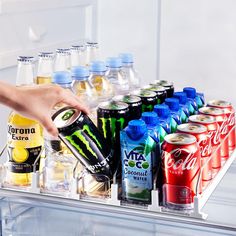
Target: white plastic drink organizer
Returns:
[110, 192]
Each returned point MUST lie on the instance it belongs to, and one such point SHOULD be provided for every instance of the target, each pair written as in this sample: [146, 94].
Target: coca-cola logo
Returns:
[231, 119]
[224, 126]
[214, 136]
[173, 160]
[205, 147]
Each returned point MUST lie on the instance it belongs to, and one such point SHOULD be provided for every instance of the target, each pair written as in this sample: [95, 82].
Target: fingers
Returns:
[48, 124]
[72, 100]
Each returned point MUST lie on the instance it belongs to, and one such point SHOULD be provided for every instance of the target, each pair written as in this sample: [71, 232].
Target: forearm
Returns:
[8, 94]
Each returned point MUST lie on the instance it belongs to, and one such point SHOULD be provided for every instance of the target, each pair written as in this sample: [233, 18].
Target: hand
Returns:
[37, 102]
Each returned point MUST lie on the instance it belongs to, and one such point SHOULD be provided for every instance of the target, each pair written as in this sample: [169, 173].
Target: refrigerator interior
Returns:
[196, 48]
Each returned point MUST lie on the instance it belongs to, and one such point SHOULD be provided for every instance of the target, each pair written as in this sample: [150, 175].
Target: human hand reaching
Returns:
[37, 102]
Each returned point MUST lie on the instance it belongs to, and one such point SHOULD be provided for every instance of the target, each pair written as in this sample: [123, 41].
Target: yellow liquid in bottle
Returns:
[25, 140]
[43, 80]
[103, 87]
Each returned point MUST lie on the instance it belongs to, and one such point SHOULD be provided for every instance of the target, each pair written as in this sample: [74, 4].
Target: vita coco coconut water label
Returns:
[137, 181]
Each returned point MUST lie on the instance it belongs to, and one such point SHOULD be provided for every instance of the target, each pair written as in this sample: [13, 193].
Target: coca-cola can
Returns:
[204, 142]
[214, 134]
[222, 120]
[230, 112]
[181, 164]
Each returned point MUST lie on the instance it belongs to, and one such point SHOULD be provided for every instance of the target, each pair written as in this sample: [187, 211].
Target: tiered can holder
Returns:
[84, 187]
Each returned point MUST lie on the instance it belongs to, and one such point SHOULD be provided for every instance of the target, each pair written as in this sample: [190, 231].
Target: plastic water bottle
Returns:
[130, 72]
[99, 80]
[82, 87]
[116, 76]
[92, 52]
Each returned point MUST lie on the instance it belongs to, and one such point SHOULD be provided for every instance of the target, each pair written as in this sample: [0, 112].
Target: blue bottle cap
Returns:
[162, 111]
[114, 62]
[126, 57]
[150, 118]
[181, 96]
[136, 128]
[79, 72]
[61, 77]
[190, 92]
[98, 66]
[172, 103]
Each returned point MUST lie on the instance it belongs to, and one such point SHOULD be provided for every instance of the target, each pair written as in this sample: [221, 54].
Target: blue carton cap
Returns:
[79, 72]
[61, 77]
[114, 62]
[98, 66]
[150, 118]
[162, 110]
[181, 96]
[136, 127]
[173, 103]
[126, 57]
[190, 92]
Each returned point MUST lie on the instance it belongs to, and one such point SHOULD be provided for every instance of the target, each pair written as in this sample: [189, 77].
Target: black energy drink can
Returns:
[169, 86]
[159, 90]
[84, 140]
[135, 105]
[148, 98]
[112, 117]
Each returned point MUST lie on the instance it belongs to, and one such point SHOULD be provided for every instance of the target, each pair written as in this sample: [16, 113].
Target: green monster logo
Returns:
[112, 125]
[158, 101]
[68, 115]
[147, 108]
[80, 136]
[87, 128]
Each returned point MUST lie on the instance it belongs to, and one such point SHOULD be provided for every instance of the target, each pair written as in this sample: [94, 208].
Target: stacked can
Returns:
[201, 134]
[213, 132]
[222, 121]
[159, 90]
[169, 86]
[181, 165]
[230, 113]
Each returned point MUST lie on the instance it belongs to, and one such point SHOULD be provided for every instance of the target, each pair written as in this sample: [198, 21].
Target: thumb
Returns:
[48, 124]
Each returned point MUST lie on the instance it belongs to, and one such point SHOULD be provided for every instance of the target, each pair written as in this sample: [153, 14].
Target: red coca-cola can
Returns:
[181, 164]
[222, 120]
[214, 134]
[230, 112]
[201, 134]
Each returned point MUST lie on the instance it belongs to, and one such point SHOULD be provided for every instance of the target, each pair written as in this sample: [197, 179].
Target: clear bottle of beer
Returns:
[45, 68]
[62, 60]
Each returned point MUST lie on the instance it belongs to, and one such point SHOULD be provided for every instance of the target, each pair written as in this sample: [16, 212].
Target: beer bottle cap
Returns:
[190, 92]
[150, 118]
[98, 66]
[126, 57]
[172, 103]
[79, 72]
[114, 62]
[61, 77]
[136, 129]
[181, 96]
[162, 111]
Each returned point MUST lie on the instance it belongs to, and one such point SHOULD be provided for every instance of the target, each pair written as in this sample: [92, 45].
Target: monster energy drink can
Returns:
[149, 99]
[135, 105]
[84, 140]
[112, 117]
[169, 86]
[159, 90]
